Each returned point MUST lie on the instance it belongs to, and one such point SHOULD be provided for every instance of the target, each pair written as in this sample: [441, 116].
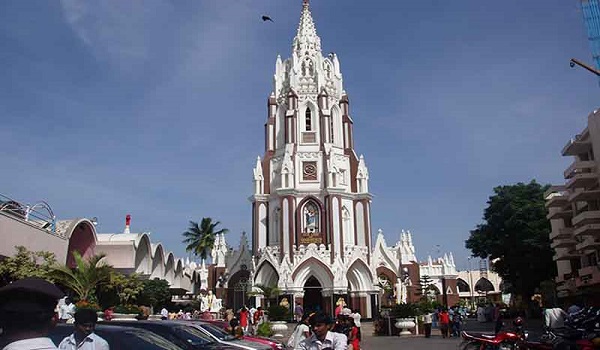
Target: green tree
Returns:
[155, 294]
[85, 277]
[26, 263]
[200, 238]
[424, 288]
[127, 288]
[515, 236]
[270, 292]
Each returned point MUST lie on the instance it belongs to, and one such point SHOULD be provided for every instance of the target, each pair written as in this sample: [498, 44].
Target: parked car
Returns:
[119, 338]
[183, 335]
[221, 336]
[274, 344]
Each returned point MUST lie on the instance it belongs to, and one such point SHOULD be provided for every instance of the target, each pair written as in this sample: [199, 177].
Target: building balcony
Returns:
[583, 195]
[554, 189]
[559, 213]
[580, 167]
[588, 244]
[580, 144]
[582, 180]
[565, 255]
[588, 276]
[586, 217]
[587, 230]
[562, 233]
[557, 199]
[563, 243]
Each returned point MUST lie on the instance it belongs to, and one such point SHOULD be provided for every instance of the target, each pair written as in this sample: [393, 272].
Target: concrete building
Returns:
[36, 228]
[574, 213]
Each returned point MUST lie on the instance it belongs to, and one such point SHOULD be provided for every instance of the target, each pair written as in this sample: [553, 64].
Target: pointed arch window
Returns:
[308, 119]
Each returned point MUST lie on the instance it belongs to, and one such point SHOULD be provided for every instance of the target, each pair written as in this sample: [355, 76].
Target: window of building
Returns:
[308, 119]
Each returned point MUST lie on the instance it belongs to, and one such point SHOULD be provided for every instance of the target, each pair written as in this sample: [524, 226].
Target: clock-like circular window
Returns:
[310, 171]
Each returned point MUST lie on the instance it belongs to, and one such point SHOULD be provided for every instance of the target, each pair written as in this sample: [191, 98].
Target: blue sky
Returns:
[156, 108]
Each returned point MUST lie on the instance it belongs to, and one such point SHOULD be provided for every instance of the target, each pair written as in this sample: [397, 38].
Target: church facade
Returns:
[311, 229]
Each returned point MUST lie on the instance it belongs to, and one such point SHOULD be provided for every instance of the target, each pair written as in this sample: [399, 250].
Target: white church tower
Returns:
[311, 233]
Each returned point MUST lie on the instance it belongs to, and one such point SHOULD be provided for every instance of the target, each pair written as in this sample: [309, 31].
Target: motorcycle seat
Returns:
[478, 335]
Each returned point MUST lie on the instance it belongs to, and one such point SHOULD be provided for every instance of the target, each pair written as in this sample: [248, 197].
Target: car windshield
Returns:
[192, 336]
[139, 339]
[218, 333]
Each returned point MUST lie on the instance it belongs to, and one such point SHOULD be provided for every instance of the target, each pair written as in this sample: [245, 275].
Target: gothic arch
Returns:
[266, 274]
[335, 124]
[238, 287]
[316, 268]
[302, 218]
[359, 277]
[347, 226]
[462, 286]
[484, 285]
[82, 239]
[309, 124]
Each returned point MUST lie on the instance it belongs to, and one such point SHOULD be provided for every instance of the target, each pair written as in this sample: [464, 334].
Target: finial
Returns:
[305, 3]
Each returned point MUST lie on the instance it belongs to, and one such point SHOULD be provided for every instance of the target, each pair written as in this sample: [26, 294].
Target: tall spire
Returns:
[306, 39]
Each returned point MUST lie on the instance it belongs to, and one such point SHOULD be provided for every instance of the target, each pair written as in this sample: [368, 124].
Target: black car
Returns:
[119, 338]
[181, 334]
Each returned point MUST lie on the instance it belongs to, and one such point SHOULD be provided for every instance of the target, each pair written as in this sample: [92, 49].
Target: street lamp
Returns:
[574, 62]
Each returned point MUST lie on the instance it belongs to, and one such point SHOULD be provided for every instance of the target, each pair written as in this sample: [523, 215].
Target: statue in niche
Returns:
[311, 218]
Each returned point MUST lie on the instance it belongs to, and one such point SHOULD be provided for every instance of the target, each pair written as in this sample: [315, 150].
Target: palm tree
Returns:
[268, 291]
[201, 238]
[85, 277]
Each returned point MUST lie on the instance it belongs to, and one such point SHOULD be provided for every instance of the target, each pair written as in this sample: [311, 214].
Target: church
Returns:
[311, 228]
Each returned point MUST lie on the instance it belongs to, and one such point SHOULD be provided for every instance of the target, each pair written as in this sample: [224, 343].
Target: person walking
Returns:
[244, 314]
[354, 335]
[84, 338]
[444, 318]
[27, 314]
[301, 332]
[427, 321]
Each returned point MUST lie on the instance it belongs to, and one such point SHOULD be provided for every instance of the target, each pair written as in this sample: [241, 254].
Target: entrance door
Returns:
[313, 298]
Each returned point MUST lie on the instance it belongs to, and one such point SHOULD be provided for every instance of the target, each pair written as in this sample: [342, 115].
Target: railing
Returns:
[40, 214]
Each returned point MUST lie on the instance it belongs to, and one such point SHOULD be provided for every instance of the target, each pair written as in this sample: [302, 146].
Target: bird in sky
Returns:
[266, 18]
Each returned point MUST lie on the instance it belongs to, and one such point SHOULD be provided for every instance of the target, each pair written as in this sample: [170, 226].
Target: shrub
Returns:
[127, 309]
[264, 330]
[278, 313]
[404, 310]
[84, 304]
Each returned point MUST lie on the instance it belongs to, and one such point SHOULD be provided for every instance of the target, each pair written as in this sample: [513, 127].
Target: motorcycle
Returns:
[510, 340]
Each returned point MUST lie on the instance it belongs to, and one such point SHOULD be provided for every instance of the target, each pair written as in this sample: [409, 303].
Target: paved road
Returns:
[419, 342]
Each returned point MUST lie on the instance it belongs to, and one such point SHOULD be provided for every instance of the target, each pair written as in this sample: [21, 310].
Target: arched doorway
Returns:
[313, 298]
[237, 289]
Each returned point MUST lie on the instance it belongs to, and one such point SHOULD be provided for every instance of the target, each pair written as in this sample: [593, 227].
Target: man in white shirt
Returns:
[27, 314]
[555, 317]
[83, 338]
[164, 314]
[322, 338]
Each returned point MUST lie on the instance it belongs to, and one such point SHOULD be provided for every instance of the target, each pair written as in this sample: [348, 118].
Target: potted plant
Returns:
[278, 316]
[405, 317]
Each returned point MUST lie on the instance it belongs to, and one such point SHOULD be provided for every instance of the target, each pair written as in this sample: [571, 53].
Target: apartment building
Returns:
[574, 214]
